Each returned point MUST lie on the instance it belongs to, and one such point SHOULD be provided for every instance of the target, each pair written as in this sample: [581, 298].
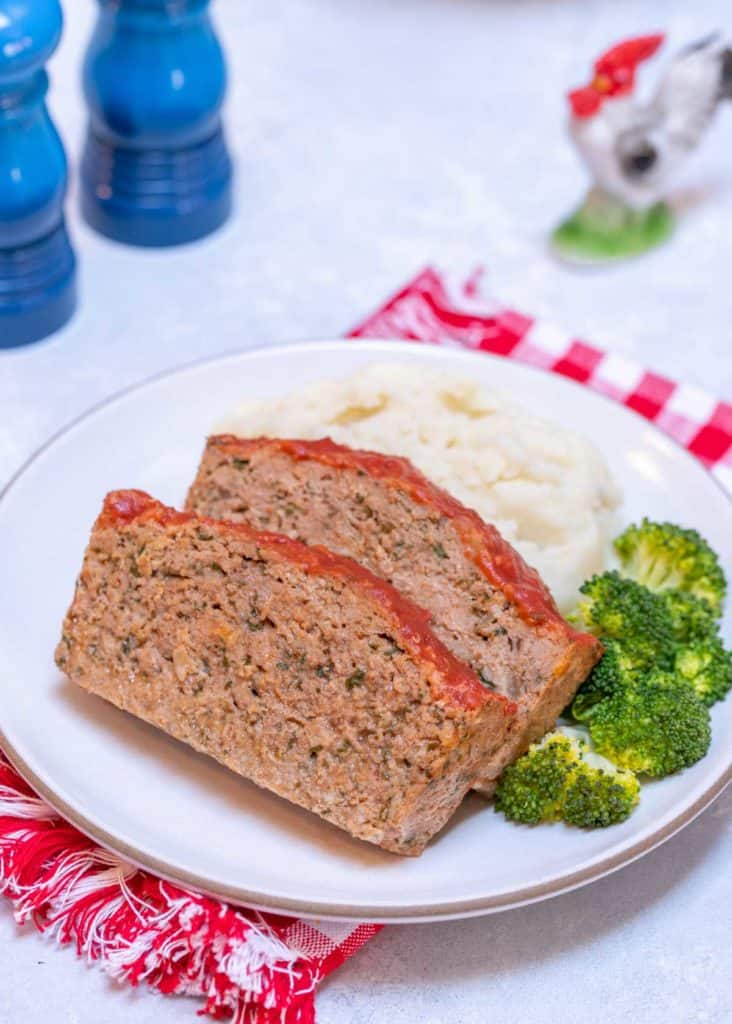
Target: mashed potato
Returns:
[547, 490]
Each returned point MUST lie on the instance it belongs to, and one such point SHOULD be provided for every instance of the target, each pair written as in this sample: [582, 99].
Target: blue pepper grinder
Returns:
[37, 264]
[156, 170]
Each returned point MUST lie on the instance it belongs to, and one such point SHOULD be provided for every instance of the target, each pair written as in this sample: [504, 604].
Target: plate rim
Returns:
[414, 913]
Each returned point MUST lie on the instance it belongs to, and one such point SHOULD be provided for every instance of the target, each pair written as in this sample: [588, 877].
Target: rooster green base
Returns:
[633, 148]
[604, 229]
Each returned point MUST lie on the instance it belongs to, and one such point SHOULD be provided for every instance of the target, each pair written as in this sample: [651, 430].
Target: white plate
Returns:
[165, 807]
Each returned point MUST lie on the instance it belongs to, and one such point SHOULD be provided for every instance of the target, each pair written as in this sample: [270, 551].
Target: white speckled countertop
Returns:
[374, 136]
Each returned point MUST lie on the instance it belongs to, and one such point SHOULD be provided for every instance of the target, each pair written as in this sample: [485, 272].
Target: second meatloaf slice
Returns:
[291, 665]
[485, 603]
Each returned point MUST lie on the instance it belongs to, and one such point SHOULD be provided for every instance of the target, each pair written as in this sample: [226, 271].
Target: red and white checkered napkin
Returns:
[264, 968]
[257, 968]
[433, 308]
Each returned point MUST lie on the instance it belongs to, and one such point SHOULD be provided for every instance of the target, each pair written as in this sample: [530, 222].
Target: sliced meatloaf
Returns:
[293, 666]
[485, 603]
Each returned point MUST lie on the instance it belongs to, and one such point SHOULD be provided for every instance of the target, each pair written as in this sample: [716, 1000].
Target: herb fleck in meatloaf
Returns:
[291, 665]
[486, 604]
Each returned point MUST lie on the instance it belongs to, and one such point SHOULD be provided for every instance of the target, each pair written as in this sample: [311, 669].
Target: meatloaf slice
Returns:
[486, 604]
[293, 666]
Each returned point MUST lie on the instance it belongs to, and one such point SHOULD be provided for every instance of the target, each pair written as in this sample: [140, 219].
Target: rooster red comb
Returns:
[614, 74]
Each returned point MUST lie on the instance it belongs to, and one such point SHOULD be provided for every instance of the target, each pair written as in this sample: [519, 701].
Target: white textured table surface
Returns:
[373, 136]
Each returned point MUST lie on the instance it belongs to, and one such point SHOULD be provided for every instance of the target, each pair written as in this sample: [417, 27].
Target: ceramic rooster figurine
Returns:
[633, 148]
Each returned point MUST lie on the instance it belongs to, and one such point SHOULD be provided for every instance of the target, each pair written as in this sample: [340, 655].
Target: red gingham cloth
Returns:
[433, 308]
[264, 968]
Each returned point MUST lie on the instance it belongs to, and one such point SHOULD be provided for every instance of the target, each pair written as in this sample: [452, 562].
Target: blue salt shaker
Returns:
[156, 169]
[37, 264]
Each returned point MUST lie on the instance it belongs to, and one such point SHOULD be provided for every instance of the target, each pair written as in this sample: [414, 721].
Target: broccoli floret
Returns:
[708, 667]
[562, 779]
[646, 703]
[616, 608]
[598, 797]
[655, 724]
[692, 618]
[663, 556]
[610, 674]
[530, 790]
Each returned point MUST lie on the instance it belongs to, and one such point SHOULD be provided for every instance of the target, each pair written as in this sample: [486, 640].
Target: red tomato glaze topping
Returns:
[411, 623]
[500, 563]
